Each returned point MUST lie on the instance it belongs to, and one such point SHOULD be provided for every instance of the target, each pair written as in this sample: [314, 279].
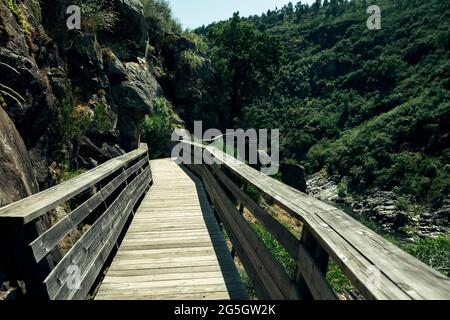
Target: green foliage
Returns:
[402, 204]
[337, 280]
[278, 252]
[243, 57]
[102, 119]
[18, 13]
[198, 40]
[75, 117]
[67, 174]
[36, 8]
[433, 252]
[191, 59]
[159, 13]
[156, 128]
[97, 15]
[369, 106]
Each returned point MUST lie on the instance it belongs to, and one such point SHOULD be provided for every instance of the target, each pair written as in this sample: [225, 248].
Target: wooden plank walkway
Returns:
[174, 248]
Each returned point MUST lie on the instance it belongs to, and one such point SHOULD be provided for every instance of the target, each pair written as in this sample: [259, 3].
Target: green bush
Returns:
[102, 119]
[156, 129]
[190, 59]
[160, 13]
[75, 117]
[97, 15]
[277, 251]
[433, 252]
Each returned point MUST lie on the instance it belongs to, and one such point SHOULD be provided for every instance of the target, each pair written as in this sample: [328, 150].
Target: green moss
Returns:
[191, 59]
[20, 16]
[102, 120]
[67, 175]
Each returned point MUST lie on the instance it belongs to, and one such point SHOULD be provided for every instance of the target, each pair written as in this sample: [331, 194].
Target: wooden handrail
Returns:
[377, 268]
[38, 204]
[33, 244]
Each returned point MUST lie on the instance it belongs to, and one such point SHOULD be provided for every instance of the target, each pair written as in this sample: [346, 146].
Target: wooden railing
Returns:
[101, 201]
[376, 268]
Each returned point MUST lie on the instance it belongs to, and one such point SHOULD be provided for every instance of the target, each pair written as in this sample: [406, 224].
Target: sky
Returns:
[195, 13]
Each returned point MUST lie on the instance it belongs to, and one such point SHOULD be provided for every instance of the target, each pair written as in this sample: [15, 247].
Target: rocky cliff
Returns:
[72, 99]
[76, 97]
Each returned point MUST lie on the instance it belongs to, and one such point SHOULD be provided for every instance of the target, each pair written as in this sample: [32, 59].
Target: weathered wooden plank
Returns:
[352, 254]
[271, 273]
[48, 240]
[98, 263]
[86, 249]
[36, 205]
[169, 240]
[315, 279]
[280, 233]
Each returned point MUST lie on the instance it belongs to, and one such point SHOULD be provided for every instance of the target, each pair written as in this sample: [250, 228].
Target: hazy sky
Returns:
[195, 13]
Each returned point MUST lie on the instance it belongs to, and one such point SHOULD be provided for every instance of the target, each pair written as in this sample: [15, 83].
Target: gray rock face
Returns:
[86, 59]
[323, 188]
[381, 207]
[17, 176]
[92, 152]
[132, 25]
[135, 98]
[38, 107]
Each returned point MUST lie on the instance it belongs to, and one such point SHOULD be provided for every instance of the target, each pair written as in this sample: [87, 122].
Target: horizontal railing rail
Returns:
[97, 206]
[376, 268]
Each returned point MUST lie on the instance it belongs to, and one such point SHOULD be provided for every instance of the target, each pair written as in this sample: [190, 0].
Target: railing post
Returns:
[320, 257]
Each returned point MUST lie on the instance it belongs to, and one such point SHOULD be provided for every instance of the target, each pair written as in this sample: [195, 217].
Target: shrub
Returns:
[433, 252]
[96, 15]
[156, 128]
[160, 13]
[102, 120]
[75, 117]
[198, 40]
[191, 59]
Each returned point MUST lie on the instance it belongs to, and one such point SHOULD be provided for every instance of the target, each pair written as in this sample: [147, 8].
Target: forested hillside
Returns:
[371, 107]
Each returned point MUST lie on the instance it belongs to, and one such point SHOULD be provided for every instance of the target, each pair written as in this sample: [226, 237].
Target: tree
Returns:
[245, 57]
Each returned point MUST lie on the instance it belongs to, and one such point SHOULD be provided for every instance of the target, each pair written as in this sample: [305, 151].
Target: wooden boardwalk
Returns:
[174, 248]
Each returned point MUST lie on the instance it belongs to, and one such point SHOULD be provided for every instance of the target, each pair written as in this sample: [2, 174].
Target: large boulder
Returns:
[29, 66]
[294, 175]
[17, 176]
[86, 62]
[135, 98]
[95, 150]
[130, 35]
